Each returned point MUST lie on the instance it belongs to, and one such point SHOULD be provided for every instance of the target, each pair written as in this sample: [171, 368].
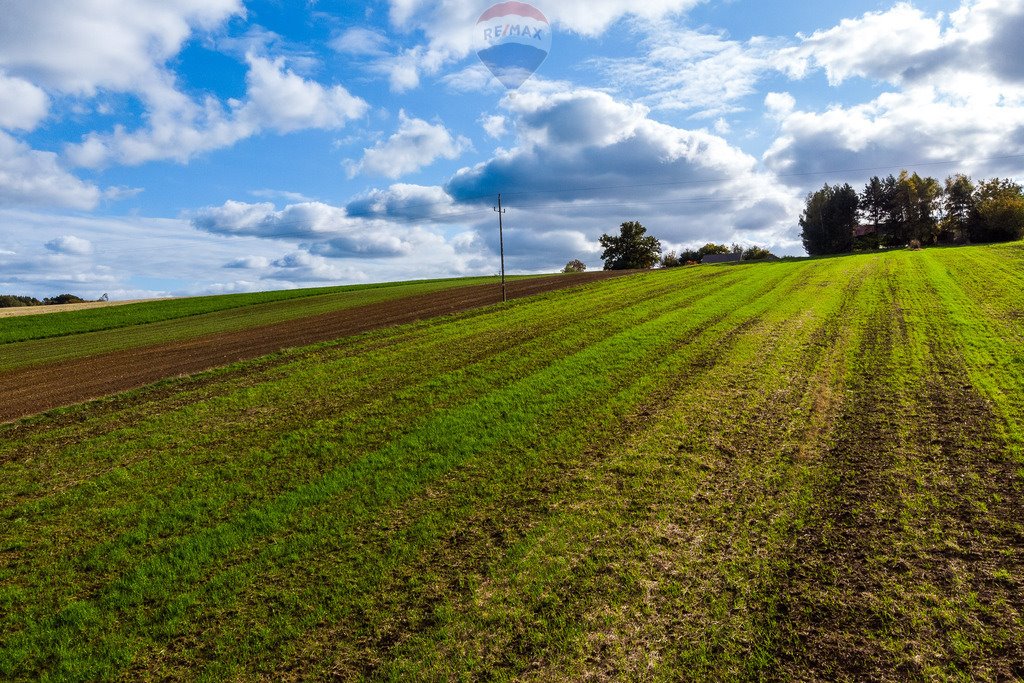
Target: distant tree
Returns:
[9, 301]
[959, 208]
[689, 256]
[575, 266]
[894, 224]
[756, 254]
[632, 249]
[919, 199]
[874, 204]
[670, 260]
[63, 299]
[712, 249]
[1000, 211]
[829, 219]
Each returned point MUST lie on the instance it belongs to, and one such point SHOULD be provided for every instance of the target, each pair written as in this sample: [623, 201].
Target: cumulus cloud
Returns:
[301, 266]
[914, 127]
[587, 160]
[82, 46]
[965, 53]
[33, 178]
[282, 101]
[70, 245]
[277, 99]
[954, 96]
[881, 45]
[402, 201]
[22, 105]
[326, 230]
[495, 126]
[416, 145]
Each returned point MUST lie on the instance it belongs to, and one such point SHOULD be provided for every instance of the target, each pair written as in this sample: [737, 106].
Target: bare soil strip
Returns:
[35, 390]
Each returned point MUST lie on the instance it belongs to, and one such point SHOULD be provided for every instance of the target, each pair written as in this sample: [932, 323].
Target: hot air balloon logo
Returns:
[516, 39]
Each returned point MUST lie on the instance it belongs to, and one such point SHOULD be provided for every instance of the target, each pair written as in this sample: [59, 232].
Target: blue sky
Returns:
[175, 147]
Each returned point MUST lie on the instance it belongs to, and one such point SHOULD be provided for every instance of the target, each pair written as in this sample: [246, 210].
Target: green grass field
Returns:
[795, 470]
[40, 339]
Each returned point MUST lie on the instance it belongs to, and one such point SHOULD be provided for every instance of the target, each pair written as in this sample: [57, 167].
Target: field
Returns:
[808, 470]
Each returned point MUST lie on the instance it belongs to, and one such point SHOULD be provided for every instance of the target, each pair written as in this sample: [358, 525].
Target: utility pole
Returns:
[501, 241]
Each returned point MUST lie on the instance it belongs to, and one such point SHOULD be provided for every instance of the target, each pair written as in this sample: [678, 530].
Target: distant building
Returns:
[722, 258]
[864, 230]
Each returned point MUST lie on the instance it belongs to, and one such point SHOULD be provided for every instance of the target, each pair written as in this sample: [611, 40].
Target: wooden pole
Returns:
[501, 242]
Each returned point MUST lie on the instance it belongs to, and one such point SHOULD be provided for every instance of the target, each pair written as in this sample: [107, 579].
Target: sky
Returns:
[183, 147]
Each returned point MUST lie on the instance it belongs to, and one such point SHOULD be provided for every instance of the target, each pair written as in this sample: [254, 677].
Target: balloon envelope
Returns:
[516, 39]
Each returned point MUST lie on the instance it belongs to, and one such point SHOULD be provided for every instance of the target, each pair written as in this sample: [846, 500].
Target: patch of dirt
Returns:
[913, 564]
[35, 390]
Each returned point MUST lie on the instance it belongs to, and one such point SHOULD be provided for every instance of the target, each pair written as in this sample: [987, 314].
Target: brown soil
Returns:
[35, 390]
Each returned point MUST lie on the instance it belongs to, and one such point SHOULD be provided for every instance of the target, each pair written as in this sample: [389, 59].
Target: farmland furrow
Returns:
[35, 390]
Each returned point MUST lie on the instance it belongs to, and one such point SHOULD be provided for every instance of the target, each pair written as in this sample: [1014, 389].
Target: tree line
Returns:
[10, 301]
[634, 249]
[902, 210]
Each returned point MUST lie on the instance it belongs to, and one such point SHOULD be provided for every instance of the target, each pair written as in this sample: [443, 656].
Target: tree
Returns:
[1000, 211]
[575, 266]
[918, 200]
[960, 208]
[633, 249]
[756, 254]
[712, 249]
[689, 256]
[829, 219]
[62, 299]
[10, 301]
[670, 260]
[875, 203]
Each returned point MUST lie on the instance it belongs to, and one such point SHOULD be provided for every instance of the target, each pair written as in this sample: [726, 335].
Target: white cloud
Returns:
[33, 178]
[406, 202]
[382, 236]
[294, 197]
[328, 229]
[70, 245]
[966, 53]
[168, 255]
[248, 263]
[475, 78]
[22, 105]
[883, 45]
[779, 104]
[494, 126]
[301, 266]
[361, 42]
[956, 95]
[178, 128]
[285, 102]
[586, 160]
[81, 46]
[416, 145]
[690, 70]
[899, 129]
